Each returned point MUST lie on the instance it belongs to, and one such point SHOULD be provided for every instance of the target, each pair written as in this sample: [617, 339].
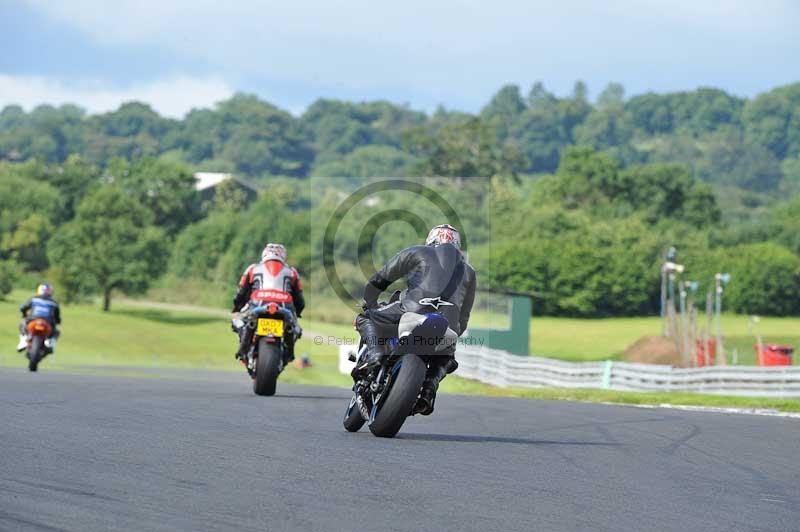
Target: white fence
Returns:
[504, 370]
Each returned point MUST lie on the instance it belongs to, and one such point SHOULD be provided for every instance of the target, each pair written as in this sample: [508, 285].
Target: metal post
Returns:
[666, 269]
[663, 299]
[707, 350]
[684, 334]
[721, 279]
[718, 311]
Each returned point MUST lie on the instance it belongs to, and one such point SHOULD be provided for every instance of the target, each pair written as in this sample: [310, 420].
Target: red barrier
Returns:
[774, 355]
[700, 353]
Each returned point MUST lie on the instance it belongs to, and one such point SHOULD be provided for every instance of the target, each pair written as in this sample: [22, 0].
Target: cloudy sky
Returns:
[181, 54]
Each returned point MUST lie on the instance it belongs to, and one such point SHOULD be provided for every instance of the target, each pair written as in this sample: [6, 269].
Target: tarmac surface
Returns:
[196, 451]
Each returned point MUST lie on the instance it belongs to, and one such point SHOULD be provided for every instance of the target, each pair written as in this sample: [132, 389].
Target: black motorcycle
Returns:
[275, 332]
[385, 396]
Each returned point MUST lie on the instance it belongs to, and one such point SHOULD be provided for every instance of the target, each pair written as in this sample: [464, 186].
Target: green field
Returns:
[134, 336]
[577, 339]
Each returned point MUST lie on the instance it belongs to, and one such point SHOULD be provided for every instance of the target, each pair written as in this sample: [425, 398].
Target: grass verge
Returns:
[131, 337]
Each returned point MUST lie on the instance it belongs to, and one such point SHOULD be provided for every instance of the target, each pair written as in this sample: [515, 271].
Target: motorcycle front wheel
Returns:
[353, 420]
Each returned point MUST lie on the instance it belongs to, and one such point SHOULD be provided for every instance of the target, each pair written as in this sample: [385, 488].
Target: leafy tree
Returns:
[246, 135]
[772, 120]
[261, 139]
[503, 110]
[28, 211]
[338, 128]
[608, 127]
[612, 96]
[662, 191]
[599, 269]
[369, 161]
[651, 114]
[110, 245]
[73, 178]
[658, 191]
[541, 136]
[729, 159]
[289, 228]
[584, 177]
[765, 277]
[229, 197]
[134, 130]
[9, 274]
[199, 248]
[47, 133]
[166, 188]
[464, 149]
[547, 125]
[539, 96]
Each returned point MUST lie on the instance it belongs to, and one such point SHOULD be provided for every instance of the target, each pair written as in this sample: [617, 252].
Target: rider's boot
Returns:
[369, 333]
[23, 343]
[290, 341]
[245, 338]
[435, 374]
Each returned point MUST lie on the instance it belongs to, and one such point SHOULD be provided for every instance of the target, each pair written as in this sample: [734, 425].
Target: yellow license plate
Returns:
[267, 326]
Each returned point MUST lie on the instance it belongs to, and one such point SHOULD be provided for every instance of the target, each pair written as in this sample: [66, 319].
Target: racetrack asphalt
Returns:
[195, 451]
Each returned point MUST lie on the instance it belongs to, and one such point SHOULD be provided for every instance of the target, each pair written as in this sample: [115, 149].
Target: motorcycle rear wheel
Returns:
[268, 367]
[402, 396]
[35, 353]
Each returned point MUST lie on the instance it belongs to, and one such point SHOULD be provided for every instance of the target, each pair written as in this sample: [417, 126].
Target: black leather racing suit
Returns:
[430, 273]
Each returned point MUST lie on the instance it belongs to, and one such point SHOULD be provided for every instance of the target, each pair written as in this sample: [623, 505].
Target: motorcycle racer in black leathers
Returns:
[438, 279]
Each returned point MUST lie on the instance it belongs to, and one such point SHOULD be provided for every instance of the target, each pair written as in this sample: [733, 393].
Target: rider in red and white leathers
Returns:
[271, 280]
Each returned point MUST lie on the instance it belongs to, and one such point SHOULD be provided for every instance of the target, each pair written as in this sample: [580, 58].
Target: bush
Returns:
[765, 278]
[606, 269]
[9, 274]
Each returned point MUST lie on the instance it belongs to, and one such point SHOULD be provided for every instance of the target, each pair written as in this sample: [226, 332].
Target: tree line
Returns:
[579, 200]
[753, 144]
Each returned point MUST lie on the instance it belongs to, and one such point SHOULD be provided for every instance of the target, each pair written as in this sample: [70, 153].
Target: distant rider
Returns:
[438, 279]
[271, 280]
[40, 306]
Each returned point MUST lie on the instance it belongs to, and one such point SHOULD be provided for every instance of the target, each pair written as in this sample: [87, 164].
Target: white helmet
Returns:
[44, 290]
[443, 234]
[274, 252]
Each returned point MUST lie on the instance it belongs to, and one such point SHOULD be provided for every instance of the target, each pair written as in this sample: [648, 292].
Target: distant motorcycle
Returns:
[384, 397]
[268, 353]
[39, 342]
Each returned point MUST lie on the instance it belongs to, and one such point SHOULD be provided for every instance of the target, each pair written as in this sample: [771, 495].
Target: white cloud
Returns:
[457, 51]
[172, 97]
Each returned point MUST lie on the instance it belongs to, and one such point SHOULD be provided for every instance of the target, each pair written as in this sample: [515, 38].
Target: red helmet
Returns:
[443, 234]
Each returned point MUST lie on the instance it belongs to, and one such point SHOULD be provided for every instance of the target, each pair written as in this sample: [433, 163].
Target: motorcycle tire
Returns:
[268, 367]
[353, 420]
[35, 353]
[402, 396]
